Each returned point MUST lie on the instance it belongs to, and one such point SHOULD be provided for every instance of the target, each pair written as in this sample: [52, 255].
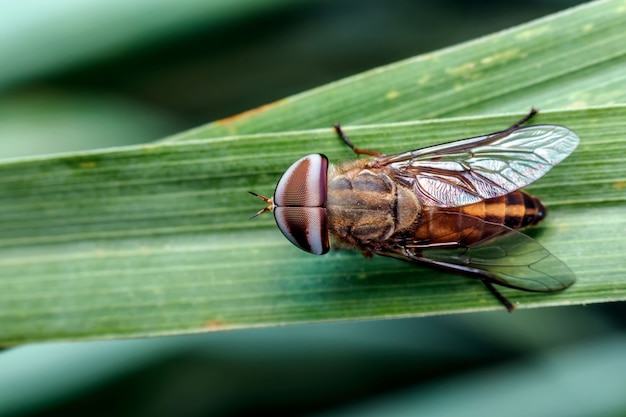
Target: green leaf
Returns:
[155, 239]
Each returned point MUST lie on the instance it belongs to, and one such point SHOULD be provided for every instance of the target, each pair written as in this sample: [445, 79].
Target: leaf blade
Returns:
[155, 239]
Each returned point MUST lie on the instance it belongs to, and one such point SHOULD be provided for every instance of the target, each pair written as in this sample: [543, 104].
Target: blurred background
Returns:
[83, 74]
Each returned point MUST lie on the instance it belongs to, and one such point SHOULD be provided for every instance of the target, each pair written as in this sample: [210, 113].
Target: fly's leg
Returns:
[417, 257]
[509, 306]
[533, 112]
[516, 125]
[359, 151]
[356, 150]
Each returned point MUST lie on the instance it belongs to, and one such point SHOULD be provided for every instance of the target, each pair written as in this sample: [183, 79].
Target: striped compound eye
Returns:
[299, 202]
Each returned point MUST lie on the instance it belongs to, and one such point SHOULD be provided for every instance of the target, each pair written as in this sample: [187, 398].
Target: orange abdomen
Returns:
[475, 222]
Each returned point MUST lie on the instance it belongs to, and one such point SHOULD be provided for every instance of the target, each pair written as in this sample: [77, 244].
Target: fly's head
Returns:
[299, 203]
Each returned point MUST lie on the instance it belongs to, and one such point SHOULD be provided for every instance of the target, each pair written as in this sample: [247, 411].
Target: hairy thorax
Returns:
[366, 206]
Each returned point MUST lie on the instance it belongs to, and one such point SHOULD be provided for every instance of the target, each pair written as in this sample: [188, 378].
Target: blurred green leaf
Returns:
[156, 239]
[571, 372]
[572, 59]
[44, 122]
[63, 33]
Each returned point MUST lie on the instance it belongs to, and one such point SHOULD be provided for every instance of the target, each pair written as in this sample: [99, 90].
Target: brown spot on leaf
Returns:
[214, 324]
[249, 113]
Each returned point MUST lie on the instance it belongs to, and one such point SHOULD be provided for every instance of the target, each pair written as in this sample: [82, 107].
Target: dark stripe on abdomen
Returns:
[522, 209]
[535, 211]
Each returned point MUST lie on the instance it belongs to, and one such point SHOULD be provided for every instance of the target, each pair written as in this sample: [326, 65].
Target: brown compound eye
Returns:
[299, 202]
[305, 227]
[303, 184]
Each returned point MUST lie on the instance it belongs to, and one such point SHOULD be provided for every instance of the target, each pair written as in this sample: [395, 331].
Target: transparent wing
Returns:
[507, 257]
[470, 170]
